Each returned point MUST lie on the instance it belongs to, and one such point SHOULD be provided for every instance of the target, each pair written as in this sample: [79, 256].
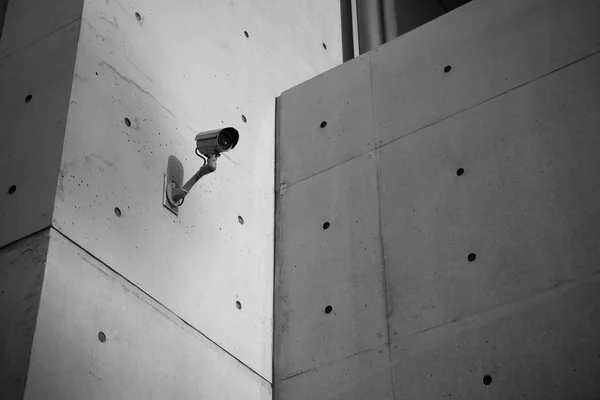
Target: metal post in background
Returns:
[347, 32]
[390, 20]
[370, 27]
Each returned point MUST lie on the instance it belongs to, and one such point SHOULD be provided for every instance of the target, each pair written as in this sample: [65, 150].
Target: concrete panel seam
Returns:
[39, 39]
[278, 190]
[17, 242]
[164, 308]
[493, 97]
[384, 273]
[329, 363]
[276, 235]
[531, 296]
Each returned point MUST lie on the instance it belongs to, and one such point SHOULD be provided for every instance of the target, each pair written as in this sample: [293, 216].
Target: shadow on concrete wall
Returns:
[3, 7]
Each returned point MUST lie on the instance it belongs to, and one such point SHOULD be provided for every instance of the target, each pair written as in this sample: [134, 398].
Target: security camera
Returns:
[209, 145]
[216, 141]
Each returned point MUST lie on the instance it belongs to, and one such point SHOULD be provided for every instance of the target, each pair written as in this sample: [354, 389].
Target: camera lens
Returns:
[224, 141]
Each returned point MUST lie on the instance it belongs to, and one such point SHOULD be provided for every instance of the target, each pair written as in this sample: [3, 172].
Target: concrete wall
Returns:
[437, 213]
[68, 161]
[22, 266]
[98, 336]
[37, 57]
[185, 67]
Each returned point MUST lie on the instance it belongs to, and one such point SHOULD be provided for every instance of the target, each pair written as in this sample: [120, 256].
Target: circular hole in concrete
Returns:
[28, 98]
[12, 189]
[447, 68]
[471, 257]
[238, 305]
[324, 46]
[487, 380]
[326, 225]
[117, 211]
[328, 309]
[460, 171]
[127, 122]
[244, 118]
[101, 337]
[240, 220]
[246, 34]
[138, 16]
[323, 124]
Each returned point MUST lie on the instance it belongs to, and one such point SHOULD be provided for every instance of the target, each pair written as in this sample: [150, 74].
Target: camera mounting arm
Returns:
[209, 144]
[175, 195]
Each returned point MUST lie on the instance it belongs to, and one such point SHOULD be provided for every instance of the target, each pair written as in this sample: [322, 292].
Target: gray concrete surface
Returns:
[22, 267]
[339, 267]
[495, 157]
[364, 375]
[186, 67]
[146, 351]
[491, 47]
[334, 117]
[527, 204]
[544, 346]
[71, 72]
[33, 130]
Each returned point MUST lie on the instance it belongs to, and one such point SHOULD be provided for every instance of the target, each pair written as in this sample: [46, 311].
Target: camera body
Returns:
[216, 141]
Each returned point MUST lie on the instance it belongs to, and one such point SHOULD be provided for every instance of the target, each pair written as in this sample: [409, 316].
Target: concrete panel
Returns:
[147, 352]
[326, 121]
[362, 376]
[185, 67]
[22, 267]
[340, 267]
[29, 21]
[33, 130]
[543, 347]
[491, 47]
[526, 205]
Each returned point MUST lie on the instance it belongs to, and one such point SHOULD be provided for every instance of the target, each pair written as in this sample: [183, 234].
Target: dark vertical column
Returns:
[370, 27]
[3, 7]
[411, 14]
[390, 20]
[347, 34]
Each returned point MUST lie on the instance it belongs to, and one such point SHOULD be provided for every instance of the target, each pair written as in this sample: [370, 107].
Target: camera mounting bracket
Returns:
[174, 194]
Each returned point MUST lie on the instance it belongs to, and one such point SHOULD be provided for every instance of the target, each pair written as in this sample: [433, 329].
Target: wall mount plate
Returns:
[166, 203]
[174, 177]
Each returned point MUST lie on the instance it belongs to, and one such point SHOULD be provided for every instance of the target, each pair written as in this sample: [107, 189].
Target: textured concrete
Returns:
[496, 157]
[33, 131]
[491, 47]
[147, 352]
[326, 121]
[526, 205]
[543, 347]
[180, 68]
[22, 266]
[340, 267]
[31, 21]
[365, 375]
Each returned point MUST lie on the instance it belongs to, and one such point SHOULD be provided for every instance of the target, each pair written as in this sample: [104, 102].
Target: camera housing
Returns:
[216, 141]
